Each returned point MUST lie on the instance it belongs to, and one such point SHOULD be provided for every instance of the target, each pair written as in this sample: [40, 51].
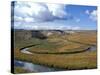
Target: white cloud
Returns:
[40, 11]
[92, 14]
[43, 26]
[29, 19]
[17, 18]
[25, 13]
[87, 12]
[57, 10]
[76, 28]
[32, 10]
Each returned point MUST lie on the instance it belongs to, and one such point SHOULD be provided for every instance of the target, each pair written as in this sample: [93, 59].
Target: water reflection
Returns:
[92, 48]
[34, 67]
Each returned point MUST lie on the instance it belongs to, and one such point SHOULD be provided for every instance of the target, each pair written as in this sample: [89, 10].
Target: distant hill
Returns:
[40, 34]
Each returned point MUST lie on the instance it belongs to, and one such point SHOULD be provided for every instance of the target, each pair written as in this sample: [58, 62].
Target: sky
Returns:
[38, 16]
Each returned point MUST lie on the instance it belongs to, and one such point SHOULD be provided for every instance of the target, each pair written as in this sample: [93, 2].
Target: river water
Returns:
[34, 67]
[25, 50]
[92, 48]
[39, 68]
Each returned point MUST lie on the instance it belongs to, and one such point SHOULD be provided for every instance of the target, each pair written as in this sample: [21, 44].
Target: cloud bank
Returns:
[30, 15]
[92, 14]
[43, 26]
[39, 12]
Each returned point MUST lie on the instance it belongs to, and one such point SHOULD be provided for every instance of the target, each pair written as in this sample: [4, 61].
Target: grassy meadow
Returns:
[66, 51]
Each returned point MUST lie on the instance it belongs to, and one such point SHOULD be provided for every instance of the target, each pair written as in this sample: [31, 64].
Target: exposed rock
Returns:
[40, 34]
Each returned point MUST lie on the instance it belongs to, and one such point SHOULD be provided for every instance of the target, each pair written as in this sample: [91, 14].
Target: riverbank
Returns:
[57, 52]
[71, 61]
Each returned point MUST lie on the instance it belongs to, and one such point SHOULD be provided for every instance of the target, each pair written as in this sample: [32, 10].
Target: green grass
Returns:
[55, 51]
[78, 60]
[66, 51]
[20, 70]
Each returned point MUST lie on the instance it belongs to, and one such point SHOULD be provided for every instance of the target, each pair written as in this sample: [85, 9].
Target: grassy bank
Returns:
[67, 61]
[59, 51]
[20, 70]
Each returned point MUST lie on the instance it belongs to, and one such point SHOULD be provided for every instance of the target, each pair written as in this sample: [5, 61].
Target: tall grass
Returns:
[82, 60]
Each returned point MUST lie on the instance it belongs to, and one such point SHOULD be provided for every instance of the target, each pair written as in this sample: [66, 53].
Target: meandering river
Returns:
[39, 68]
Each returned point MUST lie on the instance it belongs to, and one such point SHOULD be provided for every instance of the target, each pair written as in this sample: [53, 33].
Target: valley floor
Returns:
[69, 52]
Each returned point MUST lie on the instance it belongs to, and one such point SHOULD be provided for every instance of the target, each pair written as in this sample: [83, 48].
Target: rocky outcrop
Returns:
[40, 34]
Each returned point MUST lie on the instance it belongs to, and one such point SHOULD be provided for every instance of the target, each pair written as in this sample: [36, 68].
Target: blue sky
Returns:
[30, 15]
